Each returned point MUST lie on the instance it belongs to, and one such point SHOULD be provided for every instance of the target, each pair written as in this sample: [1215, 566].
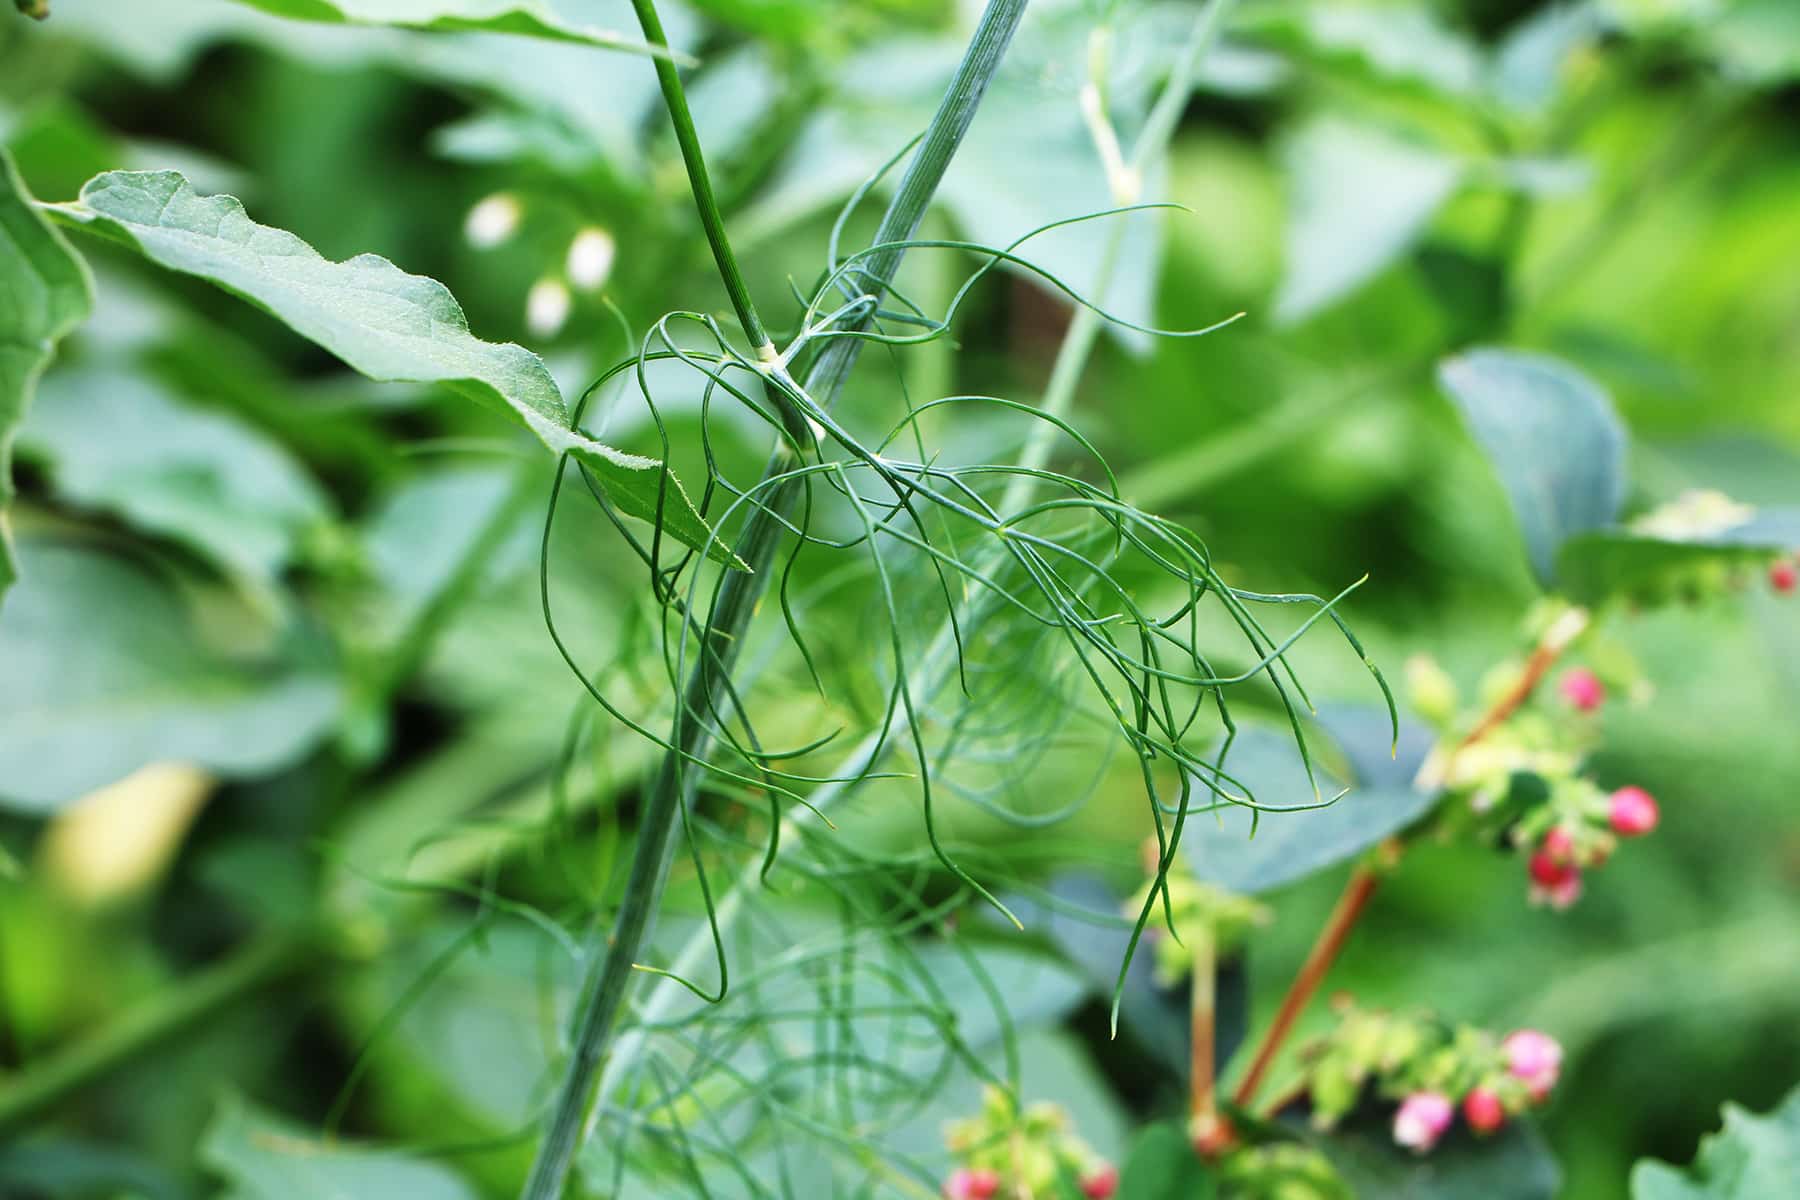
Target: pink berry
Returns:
[1483, 1111]
[1559, 846]
[972, 1183]
[1582, 689]
[1633, 812]
[1100, 1183]
[1784, 575]
[1535, 1059]
[1422, 1119]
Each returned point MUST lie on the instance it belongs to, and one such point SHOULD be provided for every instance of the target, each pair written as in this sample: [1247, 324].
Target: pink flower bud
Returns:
[1784, 575]
[1535, 1059]
[1483, 1111]
[972, 1183]
[1422, 1119]
[1559, 846]
[1633, 812]
[1582, 689]
[1101, 1183]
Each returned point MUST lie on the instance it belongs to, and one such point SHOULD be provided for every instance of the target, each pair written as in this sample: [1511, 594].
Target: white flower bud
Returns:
[492, 221]
[591, 256]
[546, 307]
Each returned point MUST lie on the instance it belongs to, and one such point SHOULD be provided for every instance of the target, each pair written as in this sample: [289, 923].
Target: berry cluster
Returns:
[1523, 782]
[1027, 1152]
[1432, 1070]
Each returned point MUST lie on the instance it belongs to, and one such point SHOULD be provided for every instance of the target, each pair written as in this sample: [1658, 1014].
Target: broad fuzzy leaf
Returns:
[1553, 439]
[264, 1158]
[1360, 198]
[44, 293]
[378, 319]
[530, 17]
[106, 670]
[1752, 1157]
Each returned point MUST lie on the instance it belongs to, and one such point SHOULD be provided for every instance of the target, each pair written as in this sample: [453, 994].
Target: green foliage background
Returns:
[1634, 208]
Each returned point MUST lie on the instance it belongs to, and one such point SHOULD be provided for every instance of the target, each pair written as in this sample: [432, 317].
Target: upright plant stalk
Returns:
[937, 667]
[612, 959]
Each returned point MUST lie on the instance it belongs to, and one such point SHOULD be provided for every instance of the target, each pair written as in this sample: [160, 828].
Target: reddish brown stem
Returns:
[1326, 946]
[1365, 879]
[1201, 1005]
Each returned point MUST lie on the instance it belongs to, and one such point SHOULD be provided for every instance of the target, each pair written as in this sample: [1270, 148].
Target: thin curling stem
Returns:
[612, 960]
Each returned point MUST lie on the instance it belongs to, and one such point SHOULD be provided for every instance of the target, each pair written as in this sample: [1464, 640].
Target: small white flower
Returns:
[591, 256]
[546, 307]
[492, 221]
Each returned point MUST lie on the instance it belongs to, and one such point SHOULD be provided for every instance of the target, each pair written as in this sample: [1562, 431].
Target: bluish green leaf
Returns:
[1618, 562]
[1287, 845]
[1514, 1164]
[378, 319]
[118, 442]
[262, 1157]
[530, 17]
[107, 669]
[1552, 438]
[1750, 1158]
[1359, 198]
[44, 293]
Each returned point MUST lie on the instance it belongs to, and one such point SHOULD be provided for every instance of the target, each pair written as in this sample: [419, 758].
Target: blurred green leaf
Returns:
[530, 17]
[1752, 1157]
[264, 1158]
[1222, 849]
[107, 670]
[1514, 1164]
[44, 293]
[1163, 1166]
[200, 477]
[387, 324]
[1595, 566]
[1551, 436]
[1360, 197]
[1028, 161]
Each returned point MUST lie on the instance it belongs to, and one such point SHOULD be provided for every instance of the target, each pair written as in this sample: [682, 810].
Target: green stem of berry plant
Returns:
[613, 956]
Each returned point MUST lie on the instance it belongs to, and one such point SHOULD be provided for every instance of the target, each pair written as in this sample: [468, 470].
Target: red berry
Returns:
[1582, 689]
[1548, 871]
[1483, 1111]
[1100, 1183]
[1559, 845]
[1784, 575]
[1632, 812]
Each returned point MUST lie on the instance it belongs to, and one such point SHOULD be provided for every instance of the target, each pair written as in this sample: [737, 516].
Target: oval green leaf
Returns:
[1553, 439]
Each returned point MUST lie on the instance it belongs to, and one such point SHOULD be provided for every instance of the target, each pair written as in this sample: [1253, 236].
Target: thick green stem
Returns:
[42, 1087]
[711, 219]
[613, 960]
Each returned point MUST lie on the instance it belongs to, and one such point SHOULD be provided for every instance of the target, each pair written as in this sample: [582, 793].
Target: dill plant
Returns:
[1017, 576]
